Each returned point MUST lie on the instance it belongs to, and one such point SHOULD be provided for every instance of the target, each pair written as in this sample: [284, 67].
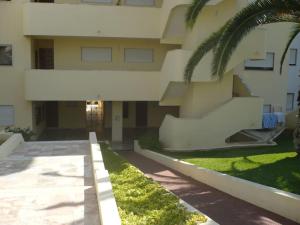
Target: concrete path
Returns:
[48, 184]
[219, 206]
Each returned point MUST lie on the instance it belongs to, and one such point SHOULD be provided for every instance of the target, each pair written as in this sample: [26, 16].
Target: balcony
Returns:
[172, 86]
[172, 24]
[80, 85]
[83, 20]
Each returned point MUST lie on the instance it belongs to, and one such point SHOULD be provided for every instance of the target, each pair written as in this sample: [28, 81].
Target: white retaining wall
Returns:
[108, 210]
[280, 202]
[12, 142]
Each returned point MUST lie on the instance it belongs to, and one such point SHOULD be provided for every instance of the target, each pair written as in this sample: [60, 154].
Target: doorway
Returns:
[45, 58]
[52, 114]
[141, 114]
[94, 115]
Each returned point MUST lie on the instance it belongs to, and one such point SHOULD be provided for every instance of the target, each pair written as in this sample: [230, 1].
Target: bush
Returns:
[140, 200]
[150, 141]
[27, 133]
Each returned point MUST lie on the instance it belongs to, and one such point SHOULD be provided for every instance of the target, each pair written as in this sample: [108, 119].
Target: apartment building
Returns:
[119, 64]
[293, 75]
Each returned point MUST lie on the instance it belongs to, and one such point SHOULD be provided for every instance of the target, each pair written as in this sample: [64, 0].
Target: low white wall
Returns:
[12, 142]
[108, 210]
[280, 202]
[190, 208]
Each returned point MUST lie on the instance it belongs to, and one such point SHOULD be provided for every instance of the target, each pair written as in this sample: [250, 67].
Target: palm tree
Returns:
[224, 41]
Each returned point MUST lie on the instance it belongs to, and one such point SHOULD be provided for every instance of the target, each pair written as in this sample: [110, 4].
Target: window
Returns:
[290, 102]
[293, 56]
[6, 55]
[140, 2]
[7, 115]
[267, 108]
[96, 54]
[45, 1]
[98, 1]
[138, 55]
[125, 110]
[261, 64]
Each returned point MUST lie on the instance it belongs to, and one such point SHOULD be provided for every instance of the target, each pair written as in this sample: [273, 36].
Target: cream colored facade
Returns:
[132, 58]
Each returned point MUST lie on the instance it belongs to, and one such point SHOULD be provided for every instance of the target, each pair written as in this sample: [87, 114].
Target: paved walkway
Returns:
[219, 206]
[48, 184]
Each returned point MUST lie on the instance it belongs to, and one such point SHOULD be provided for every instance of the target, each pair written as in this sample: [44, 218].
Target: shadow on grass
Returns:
[283, 174]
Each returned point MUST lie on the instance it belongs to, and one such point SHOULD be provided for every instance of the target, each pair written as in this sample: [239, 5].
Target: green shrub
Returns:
[150, 141]
[140, 200]
[26, 132]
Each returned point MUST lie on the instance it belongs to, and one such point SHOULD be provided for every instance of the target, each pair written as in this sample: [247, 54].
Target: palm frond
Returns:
[255, 14]
[203, 49]
[194, 11]
[295, 31]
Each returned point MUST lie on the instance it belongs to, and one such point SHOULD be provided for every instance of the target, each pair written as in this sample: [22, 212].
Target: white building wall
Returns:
[294, 72]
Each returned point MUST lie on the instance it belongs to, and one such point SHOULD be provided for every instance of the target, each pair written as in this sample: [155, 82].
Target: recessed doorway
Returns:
[94, 115]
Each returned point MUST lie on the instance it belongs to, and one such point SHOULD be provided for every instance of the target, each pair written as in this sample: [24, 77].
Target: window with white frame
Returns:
[261, 64]
[293, 56]
[138, 55]
[98, 1]
[140, 2]
[290, 102]
[89, 54]
[7, 115]
[5, 55]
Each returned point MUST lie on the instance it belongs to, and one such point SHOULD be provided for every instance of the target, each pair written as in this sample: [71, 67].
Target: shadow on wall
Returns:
[285, 145]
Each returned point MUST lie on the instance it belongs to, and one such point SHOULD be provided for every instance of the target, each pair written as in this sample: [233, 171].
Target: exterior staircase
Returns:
[212, 130]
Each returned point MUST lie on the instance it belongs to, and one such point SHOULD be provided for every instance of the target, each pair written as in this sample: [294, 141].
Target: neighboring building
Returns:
[293, 83]
[294, 75]
[92, 63]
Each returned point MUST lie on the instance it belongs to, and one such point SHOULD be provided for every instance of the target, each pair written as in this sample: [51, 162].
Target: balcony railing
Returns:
[84, 20]
[76, 85]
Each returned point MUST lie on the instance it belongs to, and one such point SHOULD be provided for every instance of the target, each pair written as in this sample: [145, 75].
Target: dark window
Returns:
[6, 55]
[125, 110]
[267, 108]
[45, 1]
[261, 64]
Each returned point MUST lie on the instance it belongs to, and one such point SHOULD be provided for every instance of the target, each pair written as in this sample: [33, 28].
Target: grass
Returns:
[150, 140]
[272, 166]
[140, 200]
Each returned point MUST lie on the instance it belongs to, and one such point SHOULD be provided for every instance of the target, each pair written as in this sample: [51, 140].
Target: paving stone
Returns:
[48, 184]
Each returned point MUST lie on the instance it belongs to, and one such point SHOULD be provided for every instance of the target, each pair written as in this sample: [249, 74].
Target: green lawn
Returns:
[142, 201]
[272, 166]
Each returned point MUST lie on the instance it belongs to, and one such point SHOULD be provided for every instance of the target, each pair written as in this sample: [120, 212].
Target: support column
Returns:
[117, 122]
